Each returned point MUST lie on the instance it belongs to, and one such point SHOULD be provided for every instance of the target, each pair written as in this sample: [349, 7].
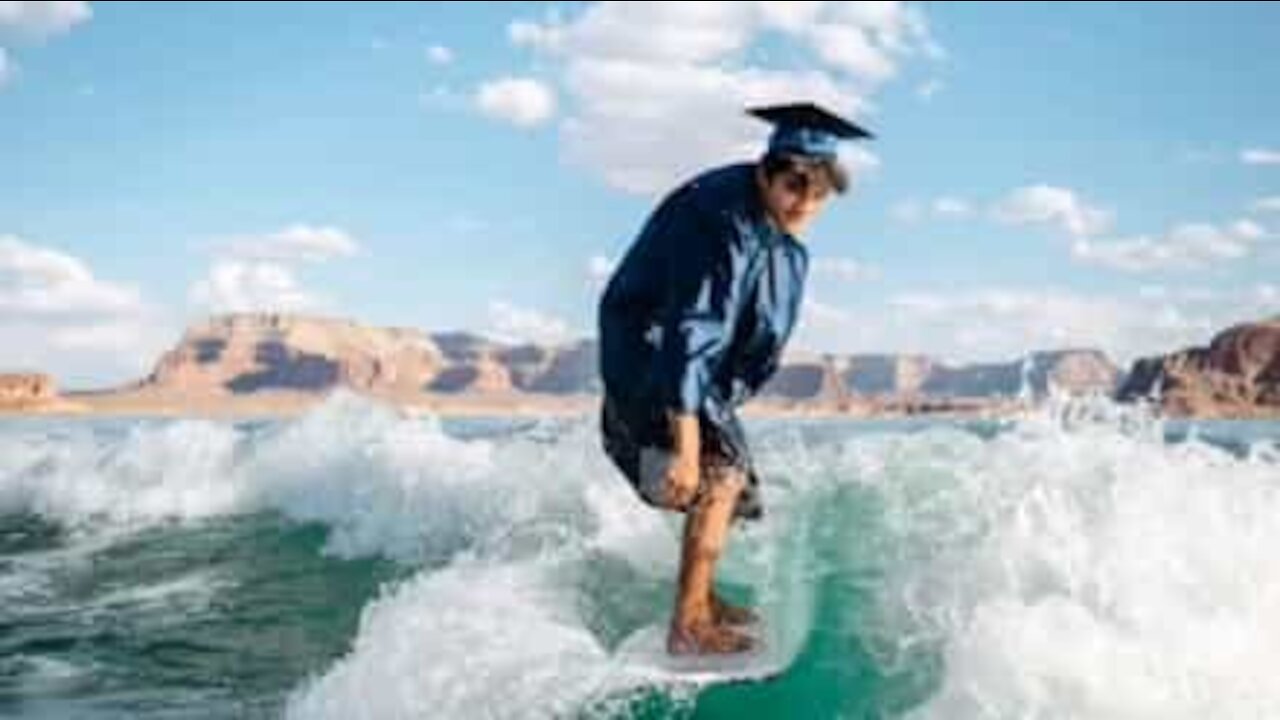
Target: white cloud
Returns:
[258, 272]
[1186, 246]
[523, 102]
[635, 120]
[1046, 204]
[851, 48]
[38, 281]
[792, 17]
[858, 160]
[515, 324]
[6, 67]
[1180, 294]
[250, 286]
[845, 269]
[599, 268]
[655, 91]
[823, 317]
[56, 316]
[546, 37]
[297, 243]
[953, 207]
[1260, 156]
[1267, 204]
[1000, 324]
[944, 207]
[38, 20]
[1247, 230]
[439, 55]
[926, 90]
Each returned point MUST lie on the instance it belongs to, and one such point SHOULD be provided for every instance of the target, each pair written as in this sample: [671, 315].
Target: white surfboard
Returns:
[644, 655]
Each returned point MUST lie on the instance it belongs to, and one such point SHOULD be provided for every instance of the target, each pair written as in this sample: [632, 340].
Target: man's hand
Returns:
[683, 474]
[682, 482]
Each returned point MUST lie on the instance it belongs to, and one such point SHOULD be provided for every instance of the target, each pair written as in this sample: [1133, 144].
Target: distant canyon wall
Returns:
[248, 353]
[1236, 375]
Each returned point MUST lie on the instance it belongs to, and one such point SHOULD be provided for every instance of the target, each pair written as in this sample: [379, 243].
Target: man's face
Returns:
[794, 198]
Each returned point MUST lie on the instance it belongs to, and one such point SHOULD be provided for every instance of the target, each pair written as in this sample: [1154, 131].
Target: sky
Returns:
[1043, 175]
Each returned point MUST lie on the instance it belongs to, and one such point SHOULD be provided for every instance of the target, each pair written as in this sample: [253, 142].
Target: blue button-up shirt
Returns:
[695, 317]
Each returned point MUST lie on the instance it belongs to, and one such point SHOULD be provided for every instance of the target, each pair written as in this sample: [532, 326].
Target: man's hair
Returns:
[827, 169]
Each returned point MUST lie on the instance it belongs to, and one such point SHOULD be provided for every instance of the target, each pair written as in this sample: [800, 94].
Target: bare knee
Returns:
[725, 482]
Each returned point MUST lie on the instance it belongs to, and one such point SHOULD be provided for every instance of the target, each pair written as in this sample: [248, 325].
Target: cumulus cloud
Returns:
[259, 273]
[297, 243]
[523, 102]
[34, 22]
[1000, 324]
[823, 317]
[57, 316]
[655, 91]
[40, 281]
[439, 55]
[928, 89]
[844, 269]
[943, 207]
[234, 286]
[39, 20]
[1267, 204]
[510, 323]
[953, 207]
[1260, 156]
[1054, 206]
[1186, 246]
[599, 268]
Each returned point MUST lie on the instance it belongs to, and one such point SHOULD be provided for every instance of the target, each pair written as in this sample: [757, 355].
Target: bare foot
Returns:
[726, 614]
[707, 639]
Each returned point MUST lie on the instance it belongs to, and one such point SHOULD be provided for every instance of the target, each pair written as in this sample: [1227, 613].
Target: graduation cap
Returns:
[806, 129]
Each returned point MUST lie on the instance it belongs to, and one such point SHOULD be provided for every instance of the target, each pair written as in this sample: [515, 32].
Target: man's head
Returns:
[801, 169]
[795, 188]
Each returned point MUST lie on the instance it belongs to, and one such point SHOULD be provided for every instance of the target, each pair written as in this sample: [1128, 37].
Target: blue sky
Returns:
[1045, 175]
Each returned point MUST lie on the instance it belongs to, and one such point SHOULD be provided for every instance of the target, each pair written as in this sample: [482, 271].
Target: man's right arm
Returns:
[683, 473]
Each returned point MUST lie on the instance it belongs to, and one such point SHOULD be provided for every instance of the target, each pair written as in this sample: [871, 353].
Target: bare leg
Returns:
[694, 628]
[726, 613]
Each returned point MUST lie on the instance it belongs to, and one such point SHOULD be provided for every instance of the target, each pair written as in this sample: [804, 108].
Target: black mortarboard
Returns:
[806, 129]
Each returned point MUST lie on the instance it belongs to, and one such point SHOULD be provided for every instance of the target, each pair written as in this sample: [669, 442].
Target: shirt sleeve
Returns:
[762, 355]
[706, 273]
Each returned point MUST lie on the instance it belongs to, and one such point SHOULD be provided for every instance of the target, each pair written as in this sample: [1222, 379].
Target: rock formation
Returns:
[1237, 375]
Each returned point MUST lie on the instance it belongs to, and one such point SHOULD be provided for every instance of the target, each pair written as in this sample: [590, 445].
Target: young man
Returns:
[692, 324]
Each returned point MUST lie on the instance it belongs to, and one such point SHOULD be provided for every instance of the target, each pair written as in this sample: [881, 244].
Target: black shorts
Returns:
[643, 453]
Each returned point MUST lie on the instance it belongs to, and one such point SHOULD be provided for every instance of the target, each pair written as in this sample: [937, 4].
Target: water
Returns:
[1086, 561]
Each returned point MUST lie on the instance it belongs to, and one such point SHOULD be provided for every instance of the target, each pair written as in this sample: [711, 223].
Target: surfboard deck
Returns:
[644, 653]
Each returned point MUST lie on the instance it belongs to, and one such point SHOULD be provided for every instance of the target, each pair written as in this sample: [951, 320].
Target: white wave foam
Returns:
[173, 470]
[1082, 569]
[493, 642]
[384, 484]
[1074, 565]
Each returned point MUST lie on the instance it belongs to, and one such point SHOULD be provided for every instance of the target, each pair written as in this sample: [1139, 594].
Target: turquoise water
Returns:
[1085, 561]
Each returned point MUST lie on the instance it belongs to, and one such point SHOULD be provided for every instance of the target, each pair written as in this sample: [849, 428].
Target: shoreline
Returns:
[285, 405]
[280, 405]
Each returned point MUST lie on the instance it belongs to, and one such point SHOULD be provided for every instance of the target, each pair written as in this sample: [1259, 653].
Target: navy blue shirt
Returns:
[695, 317]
